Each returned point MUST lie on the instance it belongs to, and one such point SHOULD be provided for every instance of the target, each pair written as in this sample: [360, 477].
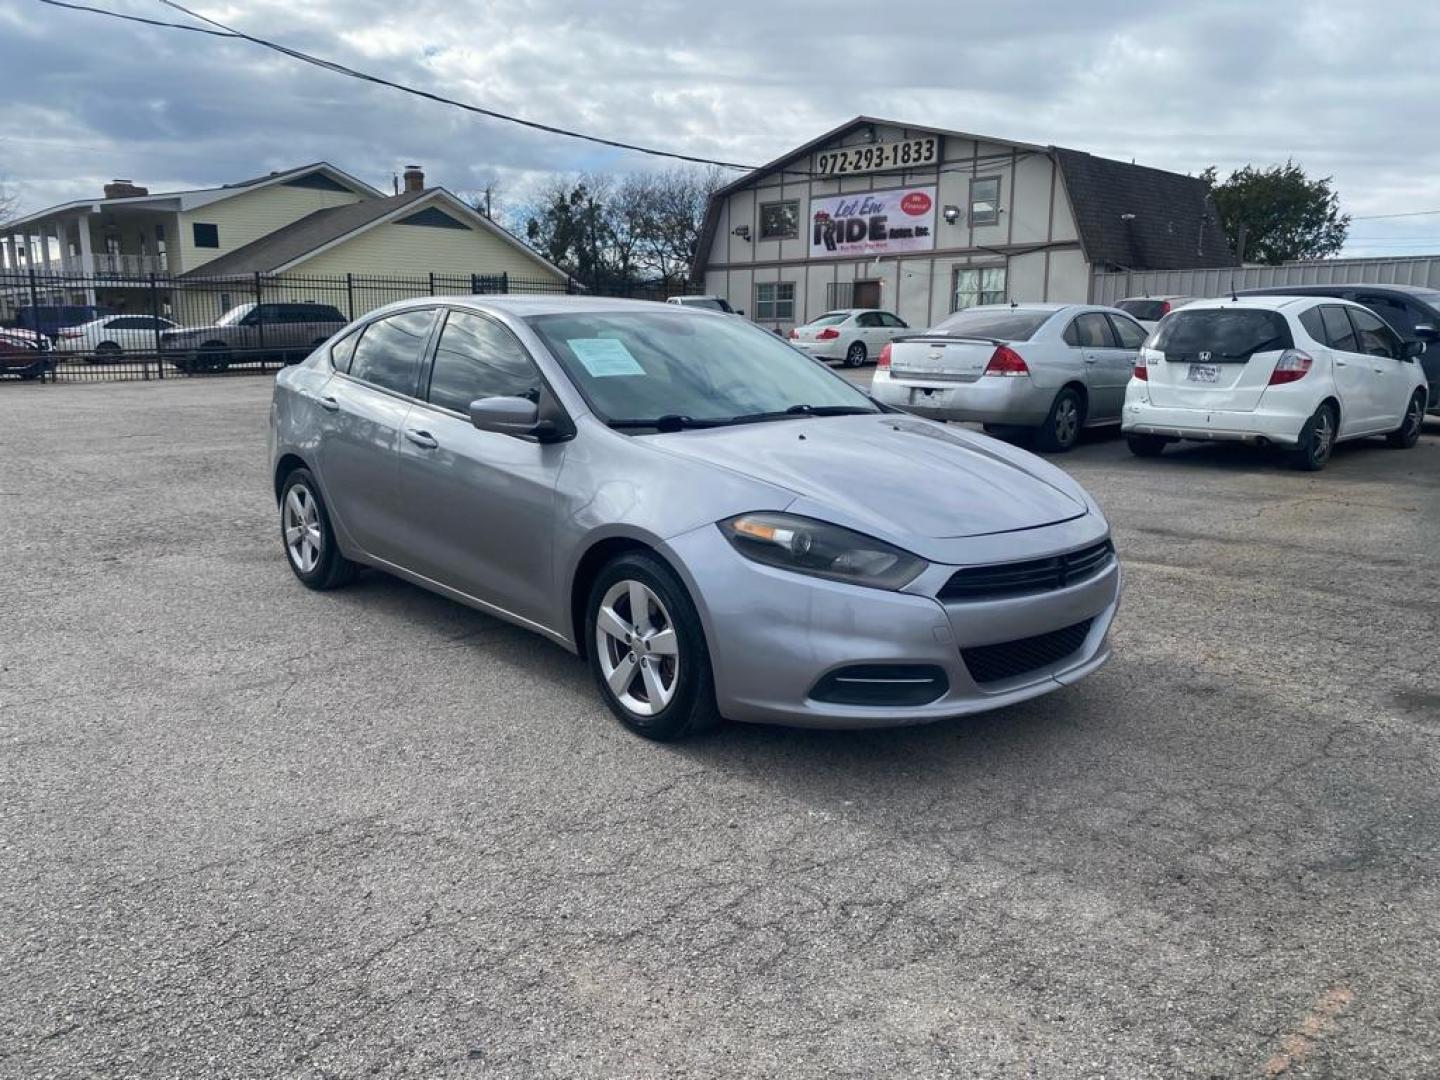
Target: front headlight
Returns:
[820, 549]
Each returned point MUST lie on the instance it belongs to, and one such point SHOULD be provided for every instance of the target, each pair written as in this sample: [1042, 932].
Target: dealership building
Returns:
[922, 221]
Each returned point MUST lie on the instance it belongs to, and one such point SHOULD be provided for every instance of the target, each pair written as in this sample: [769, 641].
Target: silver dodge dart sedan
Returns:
[723, 527]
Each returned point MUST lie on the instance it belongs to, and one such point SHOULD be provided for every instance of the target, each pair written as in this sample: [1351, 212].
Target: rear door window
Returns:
[1131, 334]
[1228, 334]
[869, 320]
[1339, 334]
[1090, 331]
[389, 351]
[1314, 323]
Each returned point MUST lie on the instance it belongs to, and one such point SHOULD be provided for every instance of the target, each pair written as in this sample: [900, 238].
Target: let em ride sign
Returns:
[873, 223]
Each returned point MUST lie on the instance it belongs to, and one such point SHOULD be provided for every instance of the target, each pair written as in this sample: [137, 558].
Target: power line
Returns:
[222, 30]
[340, 69]
[1381, 217]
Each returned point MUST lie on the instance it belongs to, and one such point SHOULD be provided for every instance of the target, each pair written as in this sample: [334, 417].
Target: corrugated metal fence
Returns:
[1417, 270]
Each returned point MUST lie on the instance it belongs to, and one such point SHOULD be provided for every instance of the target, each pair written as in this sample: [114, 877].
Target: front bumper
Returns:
[773, 635]
[1217, 425]
[990, 399]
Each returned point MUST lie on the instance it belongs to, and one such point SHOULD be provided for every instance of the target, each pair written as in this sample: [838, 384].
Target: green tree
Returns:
[1278, 214]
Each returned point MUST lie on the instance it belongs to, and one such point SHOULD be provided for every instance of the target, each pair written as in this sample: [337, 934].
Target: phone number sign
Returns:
[873, 223]
[877, 157]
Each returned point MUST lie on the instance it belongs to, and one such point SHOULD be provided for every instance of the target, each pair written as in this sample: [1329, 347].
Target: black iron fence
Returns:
[72, 328]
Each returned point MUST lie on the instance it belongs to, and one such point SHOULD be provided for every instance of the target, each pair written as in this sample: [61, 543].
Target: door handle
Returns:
[422, 439]
[1341, 363]
[328, 403]
[1089, 359]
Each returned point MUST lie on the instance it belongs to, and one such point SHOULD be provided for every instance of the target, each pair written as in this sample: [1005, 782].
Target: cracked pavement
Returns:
[251, 831]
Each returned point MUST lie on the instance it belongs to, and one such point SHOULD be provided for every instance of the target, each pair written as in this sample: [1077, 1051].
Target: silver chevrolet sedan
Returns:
[720, 525]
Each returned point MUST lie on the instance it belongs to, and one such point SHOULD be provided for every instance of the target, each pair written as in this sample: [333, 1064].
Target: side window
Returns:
[1131, 334]
[123, 322]
[1401, 316]
[388, 354]
[894, 321]
[1376, 339]
[1339, 334]
[985, 200]
[343, 350]
[869, 320]
[478, 358]
[1090, 331]
[1314, 324]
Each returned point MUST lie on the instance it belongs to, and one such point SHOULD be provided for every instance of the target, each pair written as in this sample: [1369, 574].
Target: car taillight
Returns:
[828, 334]
[1140, 372]
[1006, 361]
[884, 360]
[1293, 364]
[1164, 308]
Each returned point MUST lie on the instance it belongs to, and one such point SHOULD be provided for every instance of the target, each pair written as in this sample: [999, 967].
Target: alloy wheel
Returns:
[637, 647]
[1324, 434]
[304, 539]
[1415, 417]
[1067, 421]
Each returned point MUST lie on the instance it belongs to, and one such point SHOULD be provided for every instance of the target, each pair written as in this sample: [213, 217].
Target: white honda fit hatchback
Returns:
[1302, 373]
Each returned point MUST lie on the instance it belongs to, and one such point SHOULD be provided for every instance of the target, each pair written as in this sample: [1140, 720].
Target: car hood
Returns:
[892, 475]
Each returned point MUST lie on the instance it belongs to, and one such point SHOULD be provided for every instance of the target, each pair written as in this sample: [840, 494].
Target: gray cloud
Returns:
[1345, 91]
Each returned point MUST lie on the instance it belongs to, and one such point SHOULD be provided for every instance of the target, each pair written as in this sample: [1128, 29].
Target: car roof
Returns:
[1336, 288]
[1162, 296]
[1256, 303]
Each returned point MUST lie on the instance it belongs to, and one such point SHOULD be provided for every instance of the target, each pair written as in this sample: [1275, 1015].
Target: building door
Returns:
[866, 294]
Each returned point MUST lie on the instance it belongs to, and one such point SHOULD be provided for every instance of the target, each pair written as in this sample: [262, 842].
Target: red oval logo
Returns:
[916, 203]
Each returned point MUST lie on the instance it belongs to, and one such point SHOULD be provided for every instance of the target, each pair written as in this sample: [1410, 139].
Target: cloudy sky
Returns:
[1349, 90]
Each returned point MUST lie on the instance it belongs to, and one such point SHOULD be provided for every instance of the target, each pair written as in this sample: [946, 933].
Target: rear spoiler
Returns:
[947, 337]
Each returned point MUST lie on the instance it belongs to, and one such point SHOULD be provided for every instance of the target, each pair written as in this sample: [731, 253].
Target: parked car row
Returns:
[1300, 370]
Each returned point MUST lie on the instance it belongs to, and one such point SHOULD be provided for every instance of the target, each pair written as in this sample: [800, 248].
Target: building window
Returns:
[780, 220]
[985, 201]
[206, 236]
[775, 301]
[978, 285]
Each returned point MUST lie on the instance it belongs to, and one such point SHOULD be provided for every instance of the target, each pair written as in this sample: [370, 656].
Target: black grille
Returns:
[1009, 659]
[1032, 576]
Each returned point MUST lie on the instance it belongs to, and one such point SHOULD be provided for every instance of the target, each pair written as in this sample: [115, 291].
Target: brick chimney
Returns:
[414, 178]
[123, 189]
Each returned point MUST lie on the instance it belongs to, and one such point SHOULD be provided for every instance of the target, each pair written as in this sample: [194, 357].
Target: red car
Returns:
[24, 353]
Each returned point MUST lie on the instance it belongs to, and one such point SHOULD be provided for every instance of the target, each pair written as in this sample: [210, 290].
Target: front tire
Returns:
[855, 355]
[307, 536]
[1061, 429]
[647, 650]
[1408, 433]
[1317, 439]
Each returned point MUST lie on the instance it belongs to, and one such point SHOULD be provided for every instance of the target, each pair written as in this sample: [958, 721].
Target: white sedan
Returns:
[1302, 373]
[113, 336]
[853, 335]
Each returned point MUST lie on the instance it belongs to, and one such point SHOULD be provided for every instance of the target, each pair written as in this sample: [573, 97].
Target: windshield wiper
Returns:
[799, 412]
[668, 422]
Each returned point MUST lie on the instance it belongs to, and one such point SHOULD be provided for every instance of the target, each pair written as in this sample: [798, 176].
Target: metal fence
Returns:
[1423, 270]
[255, 323]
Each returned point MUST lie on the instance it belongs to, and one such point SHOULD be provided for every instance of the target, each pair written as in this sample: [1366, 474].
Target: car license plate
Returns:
[1204, 373]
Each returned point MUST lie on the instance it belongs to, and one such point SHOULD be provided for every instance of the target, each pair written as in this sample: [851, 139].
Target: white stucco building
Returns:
[923, 221]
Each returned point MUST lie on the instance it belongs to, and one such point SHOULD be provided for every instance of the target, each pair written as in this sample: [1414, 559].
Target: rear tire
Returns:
[307, 537]
[855, 355]
[1061, 429]
[1408, 433]
[212, 357]
[1147, 445]
[652, 670]
[107, 352]
[1317, 439]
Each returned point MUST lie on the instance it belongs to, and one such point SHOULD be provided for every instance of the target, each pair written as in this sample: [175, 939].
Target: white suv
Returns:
[1299, 372]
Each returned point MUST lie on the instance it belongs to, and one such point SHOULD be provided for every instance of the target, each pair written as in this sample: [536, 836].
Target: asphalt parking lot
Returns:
[251, 831]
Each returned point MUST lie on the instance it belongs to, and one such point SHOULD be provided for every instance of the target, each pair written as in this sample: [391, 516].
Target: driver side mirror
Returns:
[1409, 350]
[516, 416]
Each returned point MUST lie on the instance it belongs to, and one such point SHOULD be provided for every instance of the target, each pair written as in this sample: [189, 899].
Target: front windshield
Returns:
[234, 315]
[638, 365]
